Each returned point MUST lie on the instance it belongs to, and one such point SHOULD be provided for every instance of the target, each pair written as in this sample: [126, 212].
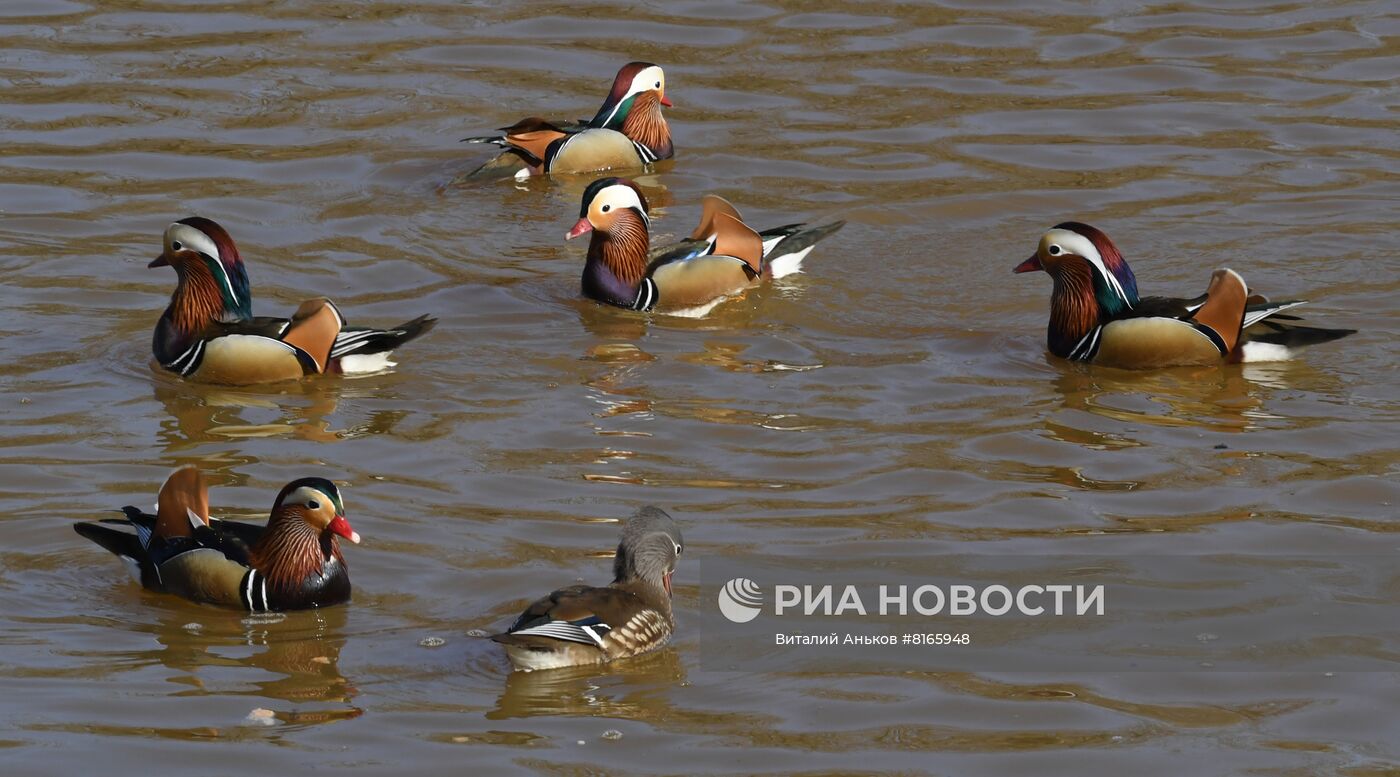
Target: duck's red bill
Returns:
[666, 581]
[581, 228]
[666, 102]
[1030, 265]
[342, 527]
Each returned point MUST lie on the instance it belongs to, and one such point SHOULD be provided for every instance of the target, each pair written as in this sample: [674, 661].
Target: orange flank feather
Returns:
[711, 206]
[313, 329]
[533, 136]
[735, 238]
[1223, 311]
[183, 494]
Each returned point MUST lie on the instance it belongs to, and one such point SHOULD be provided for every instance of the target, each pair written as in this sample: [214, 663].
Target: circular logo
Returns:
[741, 600]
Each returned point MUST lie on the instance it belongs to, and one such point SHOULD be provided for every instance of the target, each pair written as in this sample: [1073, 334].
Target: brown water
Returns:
[896, 395]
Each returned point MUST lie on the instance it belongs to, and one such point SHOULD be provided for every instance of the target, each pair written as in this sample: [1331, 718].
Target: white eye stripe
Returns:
[178, 236]
[644, 81]
[1077, 244]
[306, 495]
[619, 196]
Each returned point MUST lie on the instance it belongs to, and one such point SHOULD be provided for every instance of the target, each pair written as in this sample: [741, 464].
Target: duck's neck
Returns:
[1074, 311]
[291, 550]
[198, 300]
[617, 260]
[644, 124]
[651, 593]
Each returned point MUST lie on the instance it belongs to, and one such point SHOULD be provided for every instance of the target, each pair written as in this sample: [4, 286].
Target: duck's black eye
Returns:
[176, 245]
[658, 85]
[314, 505]
[607, 208]
[1053, 250]
[678, 550]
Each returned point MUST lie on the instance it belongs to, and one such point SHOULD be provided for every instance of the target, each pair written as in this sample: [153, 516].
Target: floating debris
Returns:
[612, 733]
[261, 717]
[432, 642]
[193, 627]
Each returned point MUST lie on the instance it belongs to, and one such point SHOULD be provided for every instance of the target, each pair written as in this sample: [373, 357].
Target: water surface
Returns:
[897, 395]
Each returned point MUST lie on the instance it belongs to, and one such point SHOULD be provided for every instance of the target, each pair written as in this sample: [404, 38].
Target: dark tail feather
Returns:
[507, 164]
[786, 255]
[1294, 335]
[121, 543]
[134, 517]
[371, 341]
[125, 545]
[799, 236]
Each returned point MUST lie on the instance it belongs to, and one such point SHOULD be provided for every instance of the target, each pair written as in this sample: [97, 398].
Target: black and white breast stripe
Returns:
[645, 153]
[188, 361]
[591, 634]
[647, 295]
[252, 592]
[1087, 346]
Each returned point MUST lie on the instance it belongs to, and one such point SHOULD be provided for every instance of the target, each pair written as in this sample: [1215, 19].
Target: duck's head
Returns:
[200, 245]
[635, 78]
[317, 503]
[650, 548]
[603, 203]
[1071, 248]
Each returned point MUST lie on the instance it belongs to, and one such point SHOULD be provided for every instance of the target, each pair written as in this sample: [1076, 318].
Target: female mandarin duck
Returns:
[292, 563]
[583, 625]
[722, 257]
[628, 131]
[209, 333]
[1097, 316]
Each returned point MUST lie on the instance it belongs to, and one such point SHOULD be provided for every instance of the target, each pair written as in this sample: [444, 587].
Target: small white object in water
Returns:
[432, 642]
[261, 717]
[612, 733]
[193, 626]
[477, 633]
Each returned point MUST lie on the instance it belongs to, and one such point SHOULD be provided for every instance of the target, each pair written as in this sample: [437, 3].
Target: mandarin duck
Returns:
[209, 333]
[1097, 316]
[628, 131]
[292, 563]
[582, 625]
[723, 256]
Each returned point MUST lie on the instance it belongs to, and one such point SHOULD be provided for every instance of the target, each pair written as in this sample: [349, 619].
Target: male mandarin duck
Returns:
[582, 625]
[209, 333]
[1097, 316]
[292, 563]
[628, 131]
[723, 256]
